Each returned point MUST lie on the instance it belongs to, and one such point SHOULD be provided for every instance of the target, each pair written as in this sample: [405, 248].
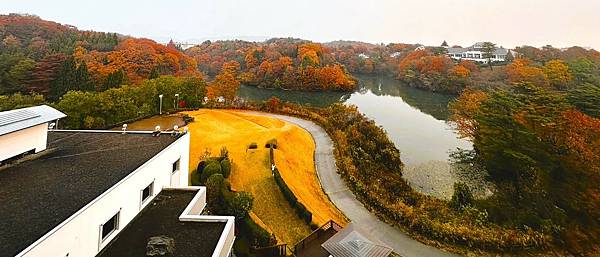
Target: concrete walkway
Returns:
[335, 187]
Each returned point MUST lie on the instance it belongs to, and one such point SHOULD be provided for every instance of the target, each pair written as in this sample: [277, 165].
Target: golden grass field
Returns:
[235, 130]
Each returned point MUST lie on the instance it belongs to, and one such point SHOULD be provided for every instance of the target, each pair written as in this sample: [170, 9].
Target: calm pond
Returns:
[415, 121]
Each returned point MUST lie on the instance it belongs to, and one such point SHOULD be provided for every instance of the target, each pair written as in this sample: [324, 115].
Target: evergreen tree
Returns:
[70, 77]
[154, 73]
[488, 49]
[113, 80]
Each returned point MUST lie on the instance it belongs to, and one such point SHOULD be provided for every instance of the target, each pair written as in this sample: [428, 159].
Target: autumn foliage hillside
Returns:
[49, 59]
[277, 63]
[138, 58]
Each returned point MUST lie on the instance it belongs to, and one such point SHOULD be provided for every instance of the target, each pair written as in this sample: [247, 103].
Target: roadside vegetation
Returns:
[371, 166]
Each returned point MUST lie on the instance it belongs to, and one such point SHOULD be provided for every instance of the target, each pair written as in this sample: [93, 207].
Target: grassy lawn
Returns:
[214, 129]
[294, 158]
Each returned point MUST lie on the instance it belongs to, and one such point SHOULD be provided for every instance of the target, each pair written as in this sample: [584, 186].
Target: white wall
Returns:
[193, 213]
[80, 234]
[21, 141]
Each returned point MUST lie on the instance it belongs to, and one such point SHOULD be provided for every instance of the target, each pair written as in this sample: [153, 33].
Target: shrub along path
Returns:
[344, 199]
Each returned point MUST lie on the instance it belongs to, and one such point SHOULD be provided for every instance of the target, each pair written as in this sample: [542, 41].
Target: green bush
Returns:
[226, 167]
[258, 236]
[239, 204]
[214, 192]
[212, 167]
[195, 178]
[462, 196]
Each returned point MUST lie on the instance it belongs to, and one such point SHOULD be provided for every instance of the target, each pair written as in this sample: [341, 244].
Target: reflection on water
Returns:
[415, 120]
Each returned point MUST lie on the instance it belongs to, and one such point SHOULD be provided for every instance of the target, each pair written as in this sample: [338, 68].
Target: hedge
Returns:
[302, 211]
[258, 236]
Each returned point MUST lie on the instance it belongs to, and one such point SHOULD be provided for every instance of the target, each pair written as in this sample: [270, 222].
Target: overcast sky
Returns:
[506, 22]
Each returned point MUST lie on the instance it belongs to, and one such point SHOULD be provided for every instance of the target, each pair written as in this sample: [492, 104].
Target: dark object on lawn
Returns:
[252, 146]
[271, 143]
[187, 119]
[160, 246]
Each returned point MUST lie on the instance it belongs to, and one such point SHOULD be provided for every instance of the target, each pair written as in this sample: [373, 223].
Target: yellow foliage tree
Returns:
[558, 74]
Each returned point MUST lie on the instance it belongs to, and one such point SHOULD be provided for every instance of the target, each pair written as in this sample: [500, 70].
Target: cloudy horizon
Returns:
[508, 23]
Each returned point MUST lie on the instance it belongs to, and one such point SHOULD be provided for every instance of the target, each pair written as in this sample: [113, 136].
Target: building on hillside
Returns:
[476, 53]
[100, 193]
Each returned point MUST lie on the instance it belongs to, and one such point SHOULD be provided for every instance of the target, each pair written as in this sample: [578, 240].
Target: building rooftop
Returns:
[38, 194]
[476, 47]
[352, 241]
[13, 120]
[161, 218]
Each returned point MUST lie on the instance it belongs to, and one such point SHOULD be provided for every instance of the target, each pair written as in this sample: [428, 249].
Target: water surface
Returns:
[415, 120]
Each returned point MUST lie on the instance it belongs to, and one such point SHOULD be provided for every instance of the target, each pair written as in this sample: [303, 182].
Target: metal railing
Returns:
[316, 234]
[271, 251]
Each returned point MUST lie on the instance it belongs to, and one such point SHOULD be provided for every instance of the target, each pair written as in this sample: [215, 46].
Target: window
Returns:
[109, 226]
[175, 166]
[147, 192]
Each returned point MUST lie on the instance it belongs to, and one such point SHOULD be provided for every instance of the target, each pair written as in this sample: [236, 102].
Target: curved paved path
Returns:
[335, 187]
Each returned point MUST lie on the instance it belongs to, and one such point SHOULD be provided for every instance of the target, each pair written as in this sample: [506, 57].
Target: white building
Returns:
[476, 53]
[363, 56]
[99, 193]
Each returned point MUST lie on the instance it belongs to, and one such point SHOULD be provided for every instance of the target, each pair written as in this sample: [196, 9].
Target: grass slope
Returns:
[214, 129]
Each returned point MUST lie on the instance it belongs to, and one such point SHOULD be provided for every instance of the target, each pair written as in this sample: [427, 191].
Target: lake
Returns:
[414, 119]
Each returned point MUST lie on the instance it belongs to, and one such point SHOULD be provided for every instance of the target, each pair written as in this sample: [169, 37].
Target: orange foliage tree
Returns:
[521, 71]
[225, 83]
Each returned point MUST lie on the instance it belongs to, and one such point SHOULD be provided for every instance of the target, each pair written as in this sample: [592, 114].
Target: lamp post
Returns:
[176, 103]
[160, 105]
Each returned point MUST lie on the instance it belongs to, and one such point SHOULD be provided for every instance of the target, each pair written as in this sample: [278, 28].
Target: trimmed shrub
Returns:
[195, 178]
[226, 167]
[271, 144]
[252, 146]
[212, 167]
[215, 184]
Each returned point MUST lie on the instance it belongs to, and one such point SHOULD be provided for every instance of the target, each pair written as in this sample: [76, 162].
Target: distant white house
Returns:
[476, 53]
[363, 56]
[395, 54]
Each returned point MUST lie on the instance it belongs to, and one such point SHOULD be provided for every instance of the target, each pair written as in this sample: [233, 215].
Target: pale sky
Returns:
[508, 23]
